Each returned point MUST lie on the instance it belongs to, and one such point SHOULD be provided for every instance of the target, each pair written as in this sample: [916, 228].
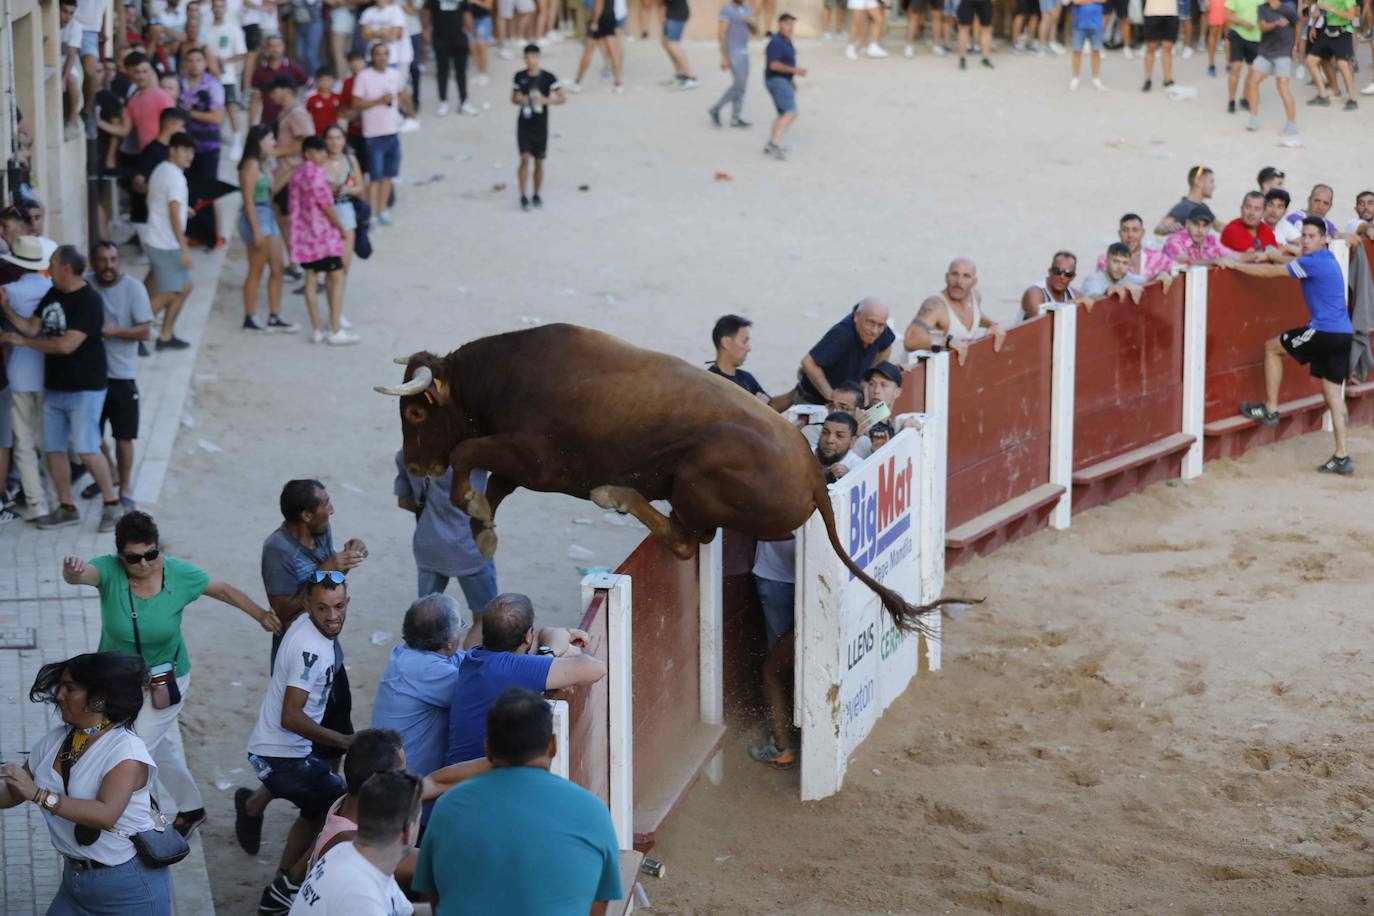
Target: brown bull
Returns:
[564, 409]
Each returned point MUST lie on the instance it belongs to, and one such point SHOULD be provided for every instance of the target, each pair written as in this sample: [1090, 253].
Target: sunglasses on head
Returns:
[133, 559]
[321, 575]
[1061, 272]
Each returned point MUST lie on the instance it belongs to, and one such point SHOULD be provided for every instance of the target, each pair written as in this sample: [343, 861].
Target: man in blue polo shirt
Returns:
[859, 340]
[1323, 345]
[513, 654]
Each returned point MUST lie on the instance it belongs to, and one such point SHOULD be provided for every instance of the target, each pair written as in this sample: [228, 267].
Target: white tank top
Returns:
[957, 328]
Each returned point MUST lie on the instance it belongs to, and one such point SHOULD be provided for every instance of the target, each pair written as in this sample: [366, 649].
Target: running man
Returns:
[534, 91]
[1323, 345]
[780, 66]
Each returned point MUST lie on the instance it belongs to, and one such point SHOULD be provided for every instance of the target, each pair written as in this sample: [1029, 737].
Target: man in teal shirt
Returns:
[517, 839]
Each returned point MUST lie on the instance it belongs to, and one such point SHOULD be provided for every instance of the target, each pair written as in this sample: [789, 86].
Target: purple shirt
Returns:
[206, 95]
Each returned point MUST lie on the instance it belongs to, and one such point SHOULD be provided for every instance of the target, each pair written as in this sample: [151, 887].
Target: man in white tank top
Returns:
[1055, 289]
[953, 316]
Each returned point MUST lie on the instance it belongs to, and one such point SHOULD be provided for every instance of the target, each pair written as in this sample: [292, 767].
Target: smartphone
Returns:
[878, 413]
[164, 668]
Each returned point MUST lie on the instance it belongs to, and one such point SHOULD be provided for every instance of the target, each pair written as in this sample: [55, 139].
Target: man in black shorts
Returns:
[1331, 50]
[534, 91]
[968, 10]
[1323, 345]
[1161, 28]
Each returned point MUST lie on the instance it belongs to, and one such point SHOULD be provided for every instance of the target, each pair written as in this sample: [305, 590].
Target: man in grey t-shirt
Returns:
[443, 544]
[737, 24]
[128, 318]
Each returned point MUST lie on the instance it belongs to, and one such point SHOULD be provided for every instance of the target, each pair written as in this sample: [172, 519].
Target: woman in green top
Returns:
[142, 596]
[258, 229]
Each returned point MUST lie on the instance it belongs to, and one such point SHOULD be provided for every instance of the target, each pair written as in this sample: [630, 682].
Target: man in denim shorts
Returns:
[780, 65]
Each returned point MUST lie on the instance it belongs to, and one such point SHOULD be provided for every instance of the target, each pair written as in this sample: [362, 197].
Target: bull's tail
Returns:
[906, 617]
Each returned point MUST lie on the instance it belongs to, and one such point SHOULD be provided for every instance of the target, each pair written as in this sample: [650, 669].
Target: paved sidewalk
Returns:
[38, 608]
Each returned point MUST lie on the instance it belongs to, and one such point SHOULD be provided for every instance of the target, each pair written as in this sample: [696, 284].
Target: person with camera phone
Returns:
[142, 596]
[91, 776]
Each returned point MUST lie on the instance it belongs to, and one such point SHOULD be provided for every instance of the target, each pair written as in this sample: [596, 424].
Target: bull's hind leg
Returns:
[680, 541]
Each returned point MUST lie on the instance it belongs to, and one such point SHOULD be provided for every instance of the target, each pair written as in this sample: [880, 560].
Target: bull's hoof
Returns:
[477, 507]
[604, 498]
[683, 550]
[486, 542]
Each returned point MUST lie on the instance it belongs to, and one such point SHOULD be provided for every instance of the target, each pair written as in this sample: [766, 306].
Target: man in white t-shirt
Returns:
[386, 21]
[164, 240]
[224, 37]
[1362, 223]
[358, 877]
[280, 748]
[378, 93]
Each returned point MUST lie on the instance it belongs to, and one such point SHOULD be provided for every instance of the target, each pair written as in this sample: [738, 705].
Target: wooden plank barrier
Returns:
[1128, 395]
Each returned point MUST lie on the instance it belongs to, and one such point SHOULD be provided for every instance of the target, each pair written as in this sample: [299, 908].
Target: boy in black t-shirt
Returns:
[534, 91]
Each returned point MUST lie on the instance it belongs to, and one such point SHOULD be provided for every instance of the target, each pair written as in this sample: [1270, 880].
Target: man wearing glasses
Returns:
[1055, 289]
[856, 342]
[290, 721]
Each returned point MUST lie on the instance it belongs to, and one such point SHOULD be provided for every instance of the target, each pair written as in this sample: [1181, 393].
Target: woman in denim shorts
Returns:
[258, 229]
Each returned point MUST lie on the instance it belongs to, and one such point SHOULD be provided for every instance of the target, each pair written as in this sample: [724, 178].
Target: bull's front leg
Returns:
[496, 454]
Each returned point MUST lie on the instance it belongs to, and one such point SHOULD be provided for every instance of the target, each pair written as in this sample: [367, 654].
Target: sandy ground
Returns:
[1173, 724]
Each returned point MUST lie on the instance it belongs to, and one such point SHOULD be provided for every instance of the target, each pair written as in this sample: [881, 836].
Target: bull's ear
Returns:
[441, 393]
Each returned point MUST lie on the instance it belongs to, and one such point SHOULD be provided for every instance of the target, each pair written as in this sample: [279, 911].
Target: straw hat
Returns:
[30, 252]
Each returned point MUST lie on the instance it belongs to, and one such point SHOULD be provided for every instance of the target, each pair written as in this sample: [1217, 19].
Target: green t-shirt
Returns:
[159, 617]
[1334, 21]
[1249, 11]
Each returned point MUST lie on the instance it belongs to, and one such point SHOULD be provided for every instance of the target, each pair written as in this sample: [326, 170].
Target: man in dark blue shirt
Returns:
[858, 341]
[1323, 345]
[780, 65]
[731, 337]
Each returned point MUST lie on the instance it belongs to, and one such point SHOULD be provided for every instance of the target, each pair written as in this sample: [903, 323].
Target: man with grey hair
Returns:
[442, 543]
[856, 342]
[513, 654]
[416, 690]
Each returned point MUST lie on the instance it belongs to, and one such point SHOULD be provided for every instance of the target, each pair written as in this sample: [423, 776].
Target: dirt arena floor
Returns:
[1159, 709]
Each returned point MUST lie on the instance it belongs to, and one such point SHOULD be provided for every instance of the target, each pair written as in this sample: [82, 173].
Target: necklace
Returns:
[81, 739]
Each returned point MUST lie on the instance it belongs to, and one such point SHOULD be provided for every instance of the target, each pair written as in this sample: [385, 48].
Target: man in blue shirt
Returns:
[519, 840]
[853, 344]
[512, 654]
[779, 66]
[1323, 345]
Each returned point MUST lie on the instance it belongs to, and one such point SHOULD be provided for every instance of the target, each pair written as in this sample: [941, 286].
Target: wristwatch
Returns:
[48, 802]
[545, 650]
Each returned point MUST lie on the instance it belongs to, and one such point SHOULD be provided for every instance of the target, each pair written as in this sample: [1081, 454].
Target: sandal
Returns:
[188, 822]
[247, 829]
[1259, 413]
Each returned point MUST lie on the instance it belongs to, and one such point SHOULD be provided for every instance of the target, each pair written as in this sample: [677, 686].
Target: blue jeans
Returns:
[306, 782]
[118, 891]
[308, 38]
[72, 417]
[784, 96]
[478, 588]
[383, 156]
[779, 607]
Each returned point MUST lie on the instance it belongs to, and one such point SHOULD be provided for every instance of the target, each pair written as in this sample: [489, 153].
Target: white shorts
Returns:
[863, 4]
[341, 20]
[507, 9]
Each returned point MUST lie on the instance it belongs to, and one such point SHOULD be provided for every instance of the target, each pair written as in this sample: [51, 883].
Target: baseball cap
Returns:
[1201, 213]
[886, 370]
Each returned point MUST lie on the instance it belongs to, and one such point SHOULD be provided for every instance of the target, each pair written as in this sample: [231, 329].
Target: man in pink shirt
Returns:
[147, 104]
[1195, 243]
[377, 92]
[317, 239]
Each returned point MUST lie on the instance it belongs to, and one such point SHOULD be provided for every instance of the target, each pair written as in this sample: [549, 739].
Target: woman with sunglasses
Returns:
[91, 777]
[142, 596]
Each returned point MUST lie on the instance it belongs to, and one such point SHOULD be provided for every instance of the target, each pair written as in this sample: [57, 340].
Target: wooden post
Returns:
[1194, 367]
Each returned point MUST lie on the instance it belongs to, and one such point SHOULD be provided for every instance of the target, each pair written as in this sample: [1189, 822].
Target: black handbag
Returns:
[157, 848]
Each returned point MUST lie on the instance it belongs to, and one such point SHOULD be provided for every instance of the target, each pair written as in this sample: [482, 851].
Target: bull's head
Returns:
[428, 431]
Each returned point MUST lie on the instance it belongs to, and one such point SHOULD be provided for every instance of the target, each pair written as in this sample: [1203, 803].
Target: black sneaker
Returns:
[276, 324]
[739, 122]
[524, 202]
[1259, 413]
[1245, 104]
[536, 201]
[1320, 101]
[92, 490]
[1146, 87]
[1343, 466]
[293, 272]
[963, 64]
[277, 897]
[1351, 104]
[987, 63]
[1231, 107]
[250, 323]
[175, 343]
[143, 349]
[247, 829]
[1168, 83]
[715, 116]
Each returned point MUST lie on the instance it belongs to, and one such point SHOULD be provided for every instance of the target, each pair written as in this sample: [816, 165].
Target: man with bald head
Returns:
[514, 653]
[856, 342]
[1319, 201]
[953, 316]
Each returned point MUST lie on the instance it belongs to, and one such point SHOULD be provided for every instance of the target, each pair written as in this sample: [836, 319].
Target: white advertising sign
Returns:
[852, 662]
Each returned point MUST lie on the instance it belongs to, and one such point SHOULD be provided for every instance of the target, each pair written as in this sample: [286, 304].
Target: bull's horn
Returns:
[401, 360]
[418, 383]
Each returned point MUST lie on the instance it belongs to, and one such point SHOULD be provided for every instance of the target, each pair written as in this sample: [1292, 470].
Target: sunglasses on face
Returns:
[321, 575]
[1060, 272]
[133, 559]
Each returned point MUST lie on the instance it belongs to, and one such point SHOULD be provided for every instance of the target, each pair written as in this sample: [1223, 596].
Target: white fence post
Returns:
[711, 601]
[1194, 367]
[1341, 249]
[620, 728]
[562, 762]
[935, 461]
[1061, 409]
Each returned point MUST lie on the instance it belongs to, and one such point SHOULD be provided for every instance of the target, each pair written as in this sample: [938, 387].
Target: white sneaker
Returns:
[1127, 53]
[1097, 84]
[575, 88]
[1073, 84]
[875, 50]
[552, 35]
[908, 52]
[345, 323]
[1187, 51]
[468, 109]
[317, 336]
[384, 218]
[940, 50]
[442, 110]
[851, 53]
[409, 125]
[1368, 90]
[827, 36]
[506, 54]
[342, 338]
[688, 83]
[483, 79]
[618, 89]
[1056, 47]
